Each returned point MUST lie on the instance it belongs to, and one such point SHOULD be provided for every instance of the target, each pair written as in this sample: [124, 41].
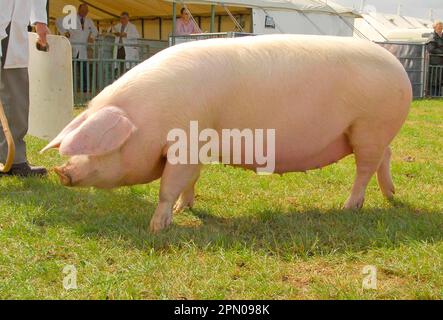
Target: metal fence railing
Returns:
[91, 76]
[173, 40]
[104, 47]
[435, 77]
[426, 77]
[413, 58]
[101, 68]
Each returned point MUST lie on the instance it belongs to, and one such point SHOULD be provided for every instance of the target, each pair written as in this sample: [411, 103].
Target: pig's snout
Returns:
[65, 179]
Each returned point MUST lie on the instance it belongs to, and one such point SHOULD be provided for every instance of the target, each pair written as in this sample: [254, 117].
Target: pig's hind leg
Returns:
[384, 175]
[371, 150]
[175, 179]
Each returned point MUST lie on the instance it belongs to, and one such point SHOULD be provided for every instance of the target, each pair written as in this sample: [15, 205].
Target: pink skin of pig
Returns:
[326, 98]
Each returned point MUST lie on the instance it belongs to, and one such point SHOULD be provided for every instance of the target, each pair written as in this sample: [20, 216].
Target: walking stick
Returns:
[10, 141]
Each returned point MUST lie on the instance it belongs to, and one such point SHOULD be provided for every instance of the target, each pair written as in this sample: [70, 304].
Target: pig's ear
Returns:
[68, 129]
[104, 131]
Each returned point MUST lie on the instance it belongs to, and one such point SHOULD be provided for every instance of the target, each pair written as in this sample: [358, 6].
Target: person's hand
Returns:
[124, 34]
[42, 31]
[117, 34]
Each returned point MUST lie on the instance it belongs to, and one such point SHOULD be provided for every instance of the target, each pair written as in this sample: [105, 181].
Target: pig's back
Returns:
[279, 75]
[289, 72]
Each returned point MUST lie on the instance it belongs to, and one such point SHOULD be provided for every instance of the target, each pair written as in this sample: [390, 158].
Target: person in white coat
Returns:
[15, 16]
[126, 35]
[80, 36]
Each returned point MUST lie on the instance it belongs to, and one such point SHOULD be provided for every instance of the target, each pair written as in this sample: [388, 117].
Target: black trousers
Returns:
[82, 66]
[435, 80]
[121, 55]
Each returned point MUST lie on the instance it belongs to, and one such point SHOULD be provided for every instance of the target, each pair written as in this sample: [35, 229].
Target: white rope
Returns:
[312, 22]
[237, 24]
[351, 26]
[378, 31]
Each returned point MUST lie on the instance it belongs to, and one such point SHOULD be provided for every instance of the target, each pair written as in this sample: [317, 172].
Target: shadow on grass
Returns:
[126, 214]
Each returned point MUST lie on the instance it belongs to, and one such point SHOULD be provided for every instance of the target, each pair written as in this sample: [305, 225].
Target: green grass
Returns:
[275, 237]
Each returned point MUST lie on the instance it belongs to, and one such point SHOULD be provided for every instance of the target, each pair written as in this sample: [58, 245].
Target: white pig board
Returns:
[50, 86]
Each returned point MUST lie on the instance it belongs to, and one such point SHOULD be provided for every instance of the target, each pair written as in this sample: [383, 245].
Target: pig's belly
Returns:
[293, 160]
[293, 156]
[309, 134]
[303, 139]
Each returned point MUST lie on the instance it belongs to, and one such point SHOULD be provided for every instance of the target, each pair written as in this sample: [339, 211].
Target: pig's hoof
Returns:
[159, 223]
[354, 204]
[389, 194]
[185, 201]
[182, 205]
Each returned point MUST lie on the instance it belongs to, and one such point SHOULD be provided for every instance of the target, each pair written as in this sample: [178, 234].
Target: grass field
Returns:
[248, 237]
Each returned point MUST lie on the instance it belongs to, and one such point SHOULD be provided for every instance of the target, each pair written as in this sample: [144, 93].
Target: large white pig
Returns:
[326, 97]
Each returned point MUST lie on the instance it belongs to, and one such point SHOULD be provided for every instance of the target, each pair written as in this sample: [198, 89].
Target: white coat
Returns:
[131, 39]
[19, 13]
[78, 37]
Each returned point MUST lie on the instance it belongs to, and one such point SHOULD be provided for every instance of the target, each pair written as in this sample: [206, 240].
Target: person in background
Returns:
[126, 34]
[185, 25]
[85, 33]
[15, 17]
[435, 49]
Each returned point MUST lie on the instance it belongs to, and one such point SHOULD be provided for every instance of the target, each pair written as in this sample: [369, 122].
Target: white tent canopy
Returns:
[153, 17]
[298, 5]
[389, 27]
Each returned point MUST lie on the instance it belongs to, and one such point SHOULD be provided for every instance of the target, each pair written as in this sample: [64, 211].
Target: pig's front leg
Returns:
[175, 179]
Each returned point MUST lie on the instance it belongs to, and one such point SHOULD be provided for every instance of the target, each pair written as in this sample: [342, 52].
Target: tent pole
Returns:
[362, 5]
[174, 21]
[212, 18]
[47, 10]
[143, 28]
